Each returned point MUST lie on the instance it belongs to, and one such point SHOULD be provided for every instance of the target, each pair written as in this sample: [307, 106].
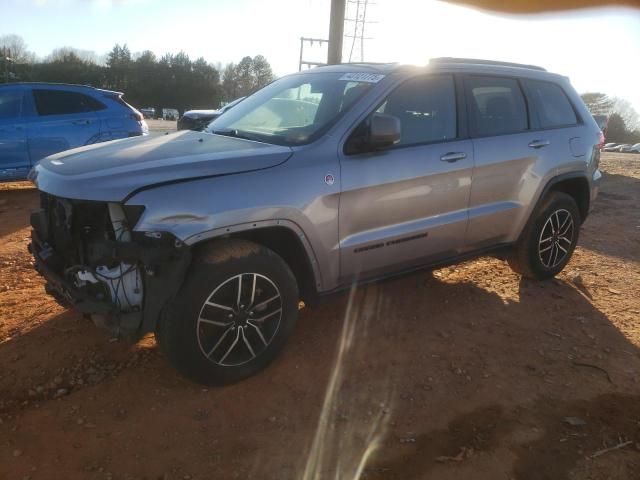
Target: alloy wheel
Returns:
[556, 238]
[239, 319]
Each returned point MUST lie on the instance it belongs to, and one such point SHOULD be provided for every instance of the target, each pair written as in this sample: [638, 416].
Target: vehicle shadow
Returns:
[57, 356]
[393, 380]
[493, 369]
[611, 228]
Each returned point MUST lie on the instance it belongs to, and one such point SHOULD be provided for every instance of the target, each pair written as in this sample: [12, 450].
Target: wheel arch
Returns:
[575, 185]
[284, 238]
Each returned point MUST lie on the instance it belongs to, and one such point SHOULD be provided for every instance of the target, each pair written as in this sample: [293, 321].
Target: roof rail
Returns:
[477, 61]
[368, 63]
[56, 84]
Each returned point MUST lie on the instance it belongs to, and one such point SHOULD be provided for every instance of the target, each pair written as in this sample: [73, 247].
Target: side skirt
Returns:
[499, 251]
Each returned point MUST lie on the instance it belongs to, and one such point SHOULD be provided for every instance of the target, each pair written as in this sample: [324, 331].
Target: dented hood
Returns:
[113, 170]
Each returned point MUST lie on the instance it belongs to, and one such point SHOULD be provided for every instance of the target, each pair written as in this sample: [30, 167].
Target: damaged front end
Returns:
[91, 258]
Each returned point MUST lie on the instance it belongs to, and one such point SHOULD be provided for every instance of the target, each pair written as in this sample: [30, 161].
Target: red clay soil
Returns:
[467, 372]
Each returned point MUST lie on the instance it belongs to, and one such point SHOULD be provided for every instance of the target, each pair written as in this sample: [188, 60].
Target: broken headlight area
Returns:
[91, 258]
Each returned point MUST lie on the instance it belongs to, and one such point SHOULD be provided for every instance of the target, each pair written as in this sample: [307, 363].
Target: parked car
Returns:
[608, 147]
[630, 148]
[170, 114]
[199, 119]
[148, 112]
[39, 119]
[322, 180]
[622, 147]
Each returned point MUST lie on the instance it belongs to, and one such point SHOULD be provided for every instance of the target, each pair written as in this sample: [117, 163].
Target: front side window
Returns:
[10, 104]
[293, 110]
[426, 108]
[550, 104]
[59, 102]
[496, 106]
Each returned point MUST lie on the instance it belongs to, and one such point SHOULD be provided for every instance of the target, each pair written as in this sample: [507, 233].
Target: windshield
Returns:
[293, 110]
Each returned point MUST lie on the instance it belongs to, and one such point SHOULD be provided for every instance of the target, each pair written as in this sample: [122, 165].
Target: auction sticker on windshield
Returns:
[362, 77]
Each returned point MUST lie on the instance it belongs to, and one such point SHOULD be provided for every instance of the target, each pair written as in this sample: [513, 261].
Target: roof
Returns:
[362, 67]
[478, 61]
[45, 84]
[53, 84]
[448, 63]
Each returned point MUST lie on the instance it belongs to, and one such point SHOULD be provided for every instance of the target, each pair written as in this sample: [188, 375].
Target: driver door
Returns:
[408, 204]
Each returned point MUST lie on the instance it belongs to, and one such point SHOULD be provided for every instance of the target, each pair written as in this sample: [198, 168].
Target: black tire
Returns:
[190, 327]
[532, 257]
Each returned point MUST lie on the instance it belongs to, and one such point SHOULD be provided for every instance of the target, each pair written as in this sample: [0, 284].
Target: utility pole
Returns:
[336, 31]
[310, 41]
[356, 16]
[7, 58]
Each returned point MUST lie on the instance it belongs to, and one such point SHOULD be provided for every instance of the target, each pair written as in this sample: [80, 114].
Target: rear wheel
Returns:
[548, 241]
[233, 314]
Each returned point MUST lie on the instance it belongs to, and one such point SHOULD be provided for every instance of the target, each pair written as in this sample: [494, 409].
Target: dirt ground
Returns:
[467, 372]
[160, 126]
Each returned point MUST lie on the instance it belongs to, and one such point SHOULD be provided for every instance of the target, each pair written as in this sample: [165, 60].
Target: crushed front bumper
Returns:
[164, 269]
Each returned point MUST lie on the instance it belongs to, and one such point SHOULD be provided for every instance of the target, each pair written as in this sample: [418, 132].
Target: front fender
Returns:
[210, 208]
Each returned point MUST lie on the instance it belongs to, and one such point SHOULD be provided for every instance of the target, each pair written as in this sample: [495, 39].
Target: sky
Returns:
[597, 48]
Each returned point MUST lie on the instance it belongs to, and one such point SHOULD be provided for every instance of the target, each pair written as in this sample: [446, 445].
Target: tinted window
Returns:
[59, 102]
[496, 106]
[10, 104]
[426, 108]
[550, 104]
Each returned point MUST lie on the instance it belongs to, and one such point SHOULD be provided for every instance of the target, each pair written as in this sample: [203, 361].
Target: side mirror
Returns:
[384, 131]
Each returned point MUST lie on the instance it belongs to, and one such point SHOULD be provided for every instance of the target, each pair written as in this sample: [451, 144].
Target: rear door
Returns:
[407, 205]
[556, 120]
[64, 120]
[14, 158]
[507, 158]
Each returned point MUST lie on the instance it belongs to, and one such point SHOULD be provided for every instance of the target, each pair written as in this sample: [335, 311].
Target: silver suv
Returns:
[325, 178]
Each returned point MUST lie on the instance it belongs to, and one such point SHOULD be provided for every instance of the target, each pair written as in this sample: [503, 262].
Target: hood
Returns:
[111, 171]
[200, 113]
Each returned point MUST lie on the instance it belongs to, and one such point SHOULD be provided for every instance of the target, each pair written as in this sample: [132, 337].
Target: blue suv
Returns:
[40, 119]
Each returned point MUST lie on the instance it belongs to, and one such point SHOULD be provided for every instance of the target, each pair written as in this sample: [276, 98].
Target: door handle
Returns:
[453, 156]
[539, 143]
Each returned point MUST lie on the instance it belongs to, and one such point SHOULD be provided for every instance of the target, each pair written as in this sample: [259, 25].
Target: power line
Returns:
[357, 15]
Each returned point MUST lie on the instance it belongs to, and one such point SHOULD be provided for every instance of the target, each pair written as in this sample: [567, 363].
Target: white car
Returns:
[630, 148]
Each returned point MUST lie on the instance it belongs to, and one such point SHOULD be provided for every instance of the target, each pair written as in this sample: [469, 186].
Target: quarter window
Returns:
[59, 102]
[551, 106]
[496, 106]
[426, 108]
[10, 104]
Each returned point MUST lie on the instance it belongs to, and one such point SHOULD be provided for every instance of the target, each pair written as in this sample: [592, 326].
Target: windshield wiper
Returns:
[231, 132]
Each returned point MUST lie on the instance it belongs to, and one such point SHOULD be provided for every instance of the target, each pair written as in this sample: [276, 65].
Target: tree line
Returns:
[170, 81]
[624, 122]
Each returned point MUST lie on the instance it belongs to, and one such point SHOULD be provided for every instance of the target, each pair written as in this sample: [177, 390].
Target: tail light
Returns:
[600, 140]
[136, 115]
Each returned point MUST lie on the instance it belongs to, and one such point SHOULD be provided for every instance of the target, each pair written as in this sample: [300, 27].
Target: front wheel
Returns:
[547, 243]
[233, 314]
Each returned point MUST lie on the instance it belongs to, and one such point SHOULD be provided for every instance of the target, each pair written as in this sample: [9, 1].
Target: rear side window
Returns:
[120, 101]
[426, 108]
[59, 102]
[496, 106]
[550, 106]
[10, 104]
